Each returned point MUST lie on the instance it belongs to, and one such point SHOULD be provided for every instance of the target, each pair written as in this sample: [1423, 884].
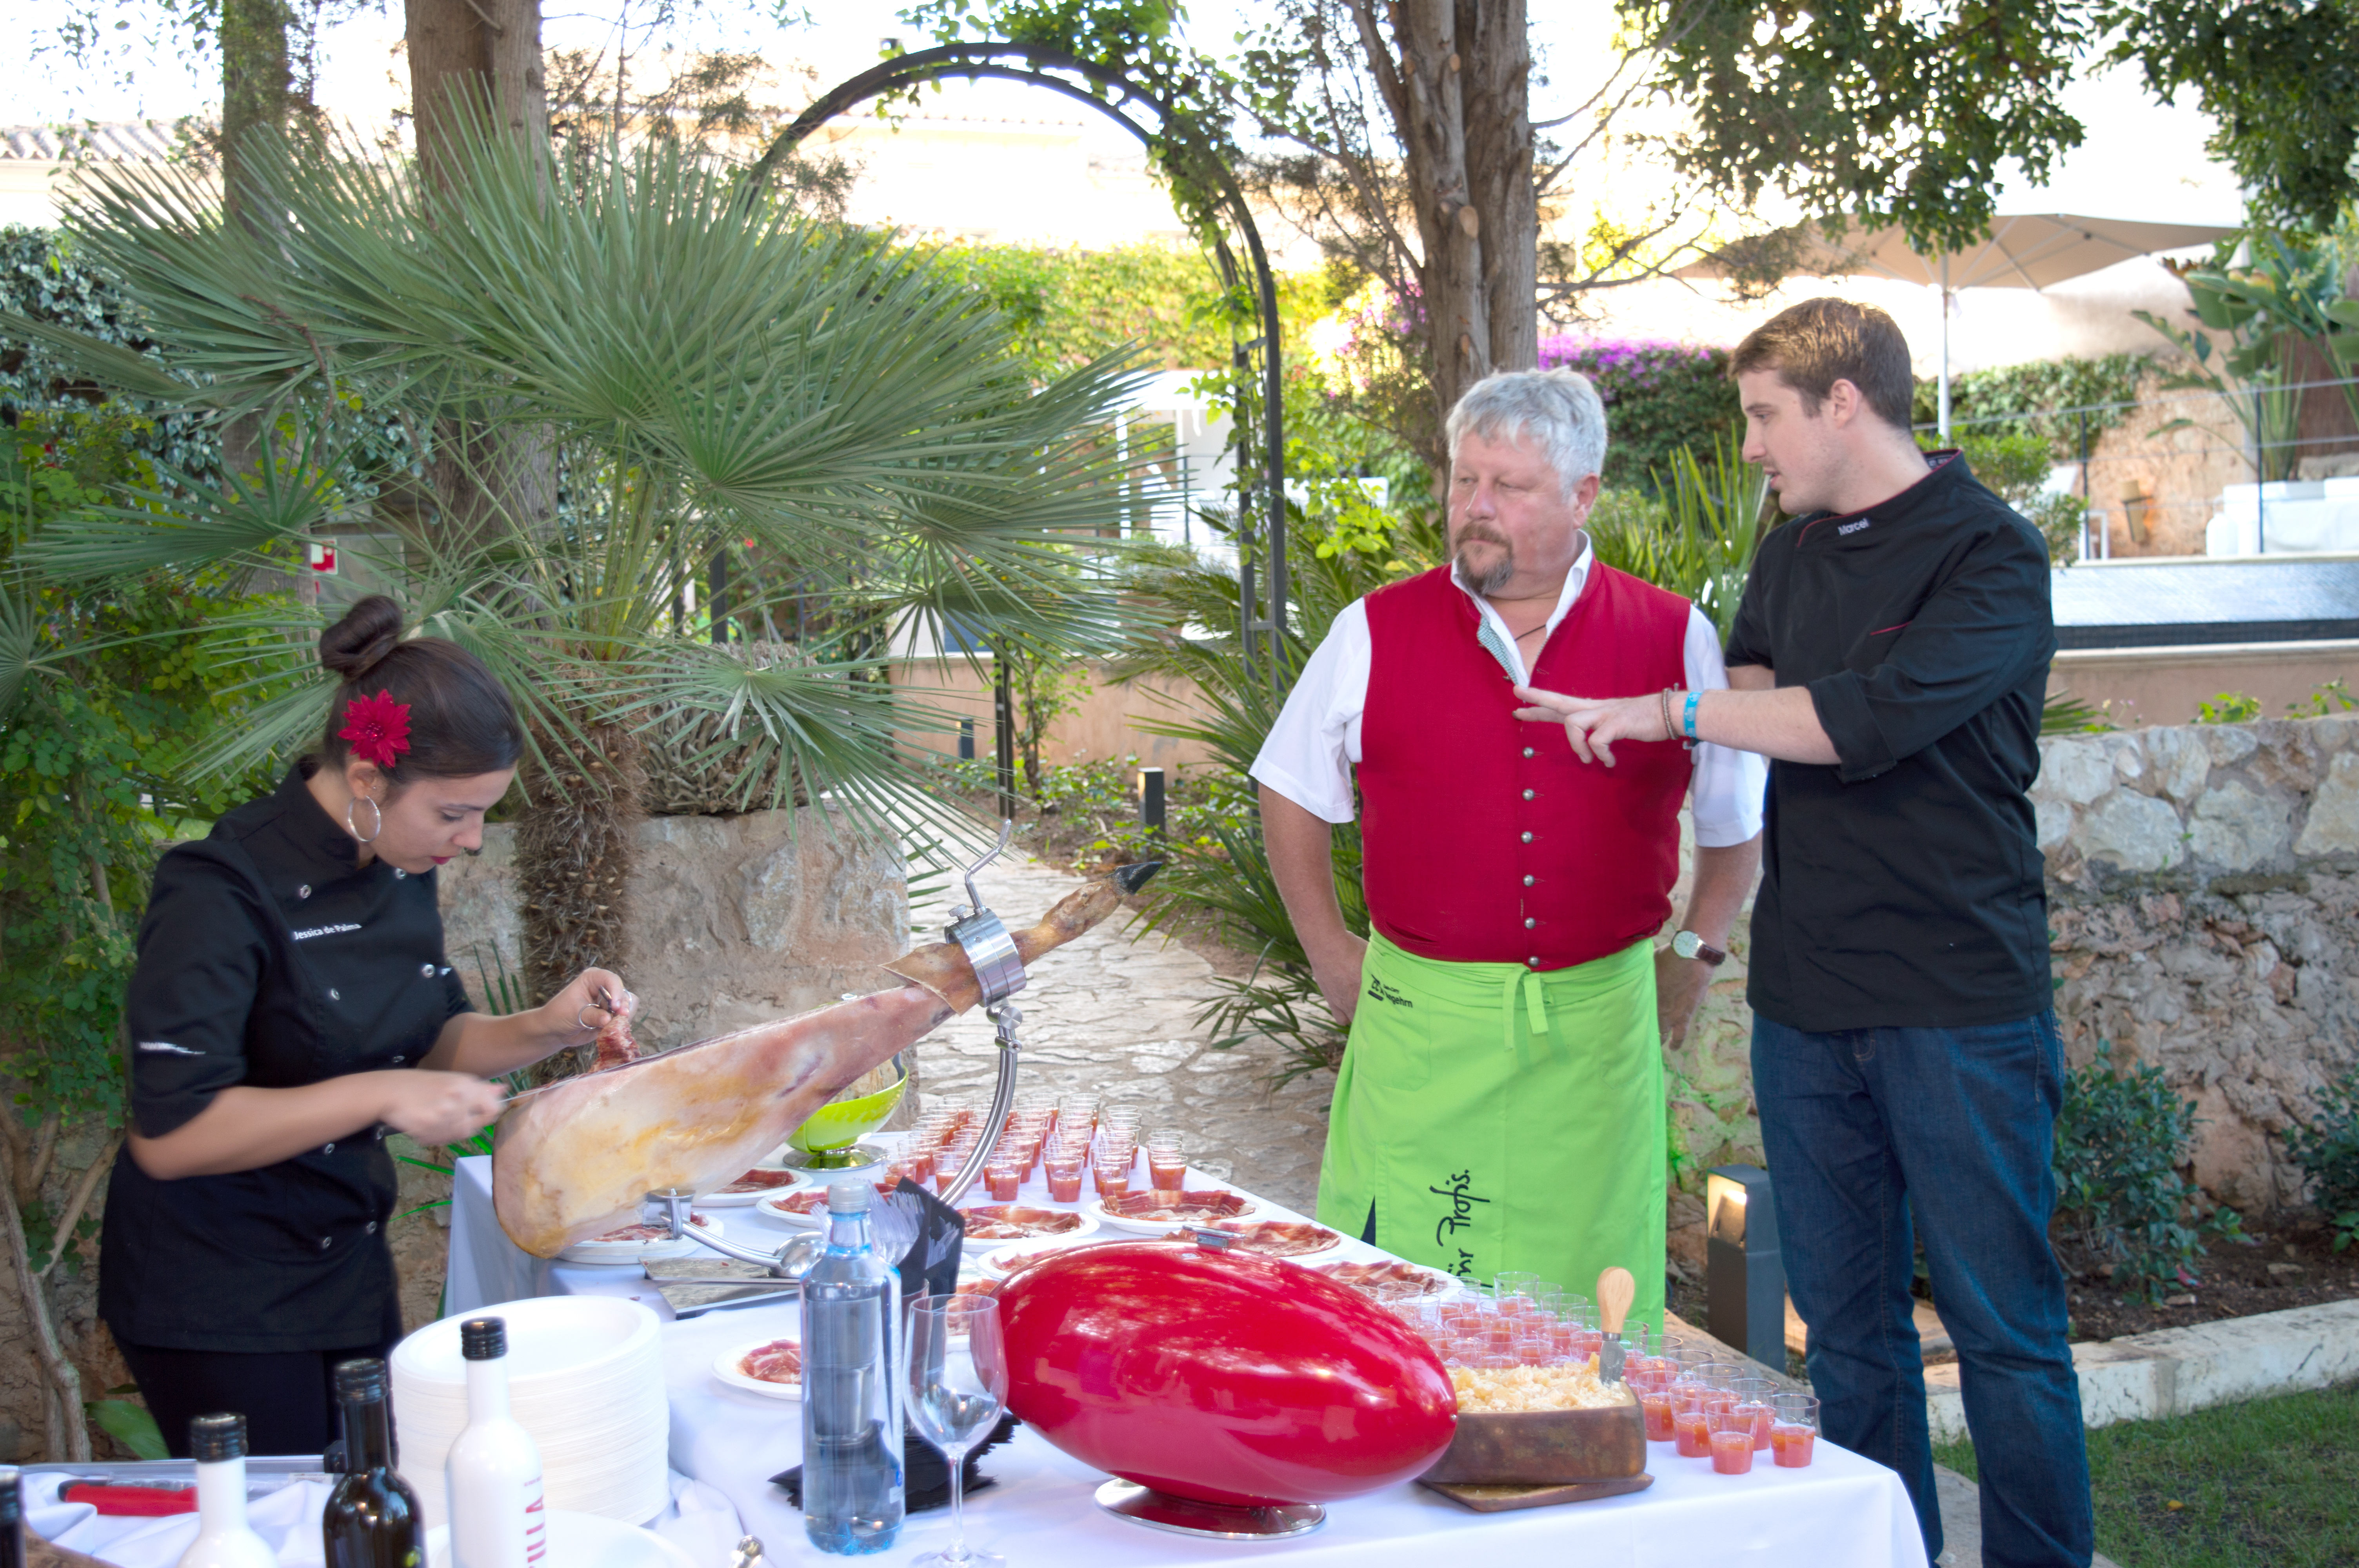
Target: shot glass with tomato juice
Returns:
[1655, 1404]
[1064, 1176]
[1793, 1430]
[1753, 1407]
[1003, 1178]
[1732, 1443]
[1690, 1423]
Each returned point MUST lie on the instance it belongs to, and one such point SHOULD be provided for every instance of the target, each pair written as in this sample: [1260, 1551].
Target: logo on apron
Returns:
[1459, 1190]
[1379, 991]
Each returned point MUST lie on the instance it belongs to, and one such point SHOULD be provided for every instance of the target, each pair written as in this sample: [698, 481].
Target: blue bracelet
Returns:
[1687, 717]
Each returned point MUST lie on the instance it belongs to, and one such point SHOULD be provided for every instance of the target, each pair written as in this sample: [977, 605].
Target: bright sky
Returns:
[2142, 160]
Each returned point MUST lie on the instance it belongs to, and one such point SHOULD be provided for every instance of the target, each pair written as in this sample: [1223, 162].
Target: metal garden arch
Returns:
[1156, 125]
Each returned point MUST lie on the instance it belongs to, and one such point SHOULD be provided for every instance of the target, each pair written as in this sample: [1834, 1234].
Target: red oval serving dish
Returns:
[1227, 1378]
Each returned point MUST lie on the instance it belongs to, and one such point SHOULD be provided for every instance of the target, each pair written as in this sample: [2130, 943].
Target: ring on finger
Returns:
[580, 1021]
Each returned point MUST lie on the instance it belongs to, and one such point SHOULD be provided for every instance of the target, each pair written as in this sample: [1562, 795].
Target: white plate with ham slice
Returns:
[1157, 1214]
[1007, 1260]
[751, 1188]
[637, 1243]
[1367, 1277]
[807, 1206]
[773, 1368]
[1023, 1222]
[1278, 1238]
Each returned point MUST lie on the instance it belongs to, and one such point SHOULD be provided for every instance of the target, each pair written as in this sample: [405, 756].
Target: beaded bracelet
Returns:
[1669, 729]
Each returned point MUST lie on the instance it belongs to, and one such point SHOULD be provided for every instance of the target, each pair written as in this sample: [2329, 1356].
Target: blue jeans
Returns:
[1870, 1129]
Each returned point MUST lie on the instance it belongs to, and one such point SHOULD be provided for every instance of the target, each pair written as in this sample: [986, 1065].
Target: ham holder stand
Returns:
[999, 970]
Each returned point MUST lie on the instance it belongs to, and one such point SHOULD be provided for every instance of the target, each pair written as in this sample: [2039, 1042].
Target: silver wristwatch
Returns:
[1688, 944]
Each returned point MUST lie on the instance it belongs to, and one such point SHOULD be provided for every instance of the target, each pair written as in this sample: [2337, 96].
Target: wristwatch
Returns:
[1688, 944]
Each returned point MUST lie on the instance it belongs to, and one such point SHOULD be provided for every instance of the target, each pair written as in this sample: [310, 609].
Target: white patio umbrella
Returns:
[2028, 250]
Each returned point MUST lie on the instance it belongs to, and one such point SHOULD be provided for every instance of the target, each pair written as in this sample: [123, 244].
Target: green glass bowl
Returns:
[847, 1121]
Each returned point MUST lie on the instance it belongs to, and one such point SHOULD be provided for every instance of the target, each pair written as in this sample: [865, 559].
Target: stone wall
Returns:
[2203, 898]
[734, 919]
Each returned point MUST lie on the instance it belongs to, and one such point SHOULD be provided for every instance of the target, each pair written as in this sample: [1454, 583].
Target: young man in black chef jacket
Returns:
[1891, 655]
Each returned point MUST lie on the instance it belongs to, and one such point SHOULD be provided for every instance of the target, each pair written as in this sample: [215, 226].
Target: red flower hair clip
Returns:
[377, 727]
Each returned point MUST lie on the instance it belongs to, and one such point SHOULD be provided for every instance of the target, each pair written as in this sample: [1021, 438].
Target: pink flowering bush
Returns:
[1658, 396]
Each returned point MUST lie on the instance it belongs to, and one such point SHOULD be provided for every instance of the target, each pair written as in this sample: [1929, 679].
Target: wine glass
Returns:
[958, 1384]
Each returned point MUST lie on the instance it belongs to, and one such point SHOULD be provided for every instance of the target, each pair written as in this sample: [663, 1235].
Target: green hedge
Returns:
[39, 277]
[2016, 398]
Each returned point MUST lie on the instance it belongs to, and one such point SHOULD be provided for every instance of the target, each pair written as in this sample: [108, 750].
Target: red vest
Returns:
[1486, 839]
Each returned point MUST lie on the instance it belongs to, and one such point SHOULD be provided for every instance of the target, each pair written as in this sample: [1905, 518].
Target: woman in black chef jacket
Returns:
[291, 1006]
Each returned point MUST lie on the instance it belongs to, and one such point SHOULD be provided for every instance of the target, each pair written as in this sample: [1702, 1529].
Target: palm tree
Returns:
[719, 379]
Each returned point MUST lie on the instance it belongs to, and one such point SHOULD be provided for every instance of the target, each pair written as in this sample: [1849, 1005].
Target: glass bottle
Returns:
[371, 1517]
[12, 1518]
[225, 1539]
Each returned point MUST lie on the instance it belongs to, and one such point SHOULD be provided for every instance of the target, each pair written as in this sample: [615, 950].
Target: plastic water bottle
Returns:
[851, 1388]
[498, 1518]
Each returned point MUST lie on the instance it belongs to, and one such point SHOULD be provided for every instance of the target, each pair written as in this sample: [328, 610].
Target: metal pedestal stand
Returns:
[1216, 1521]
[999, 970]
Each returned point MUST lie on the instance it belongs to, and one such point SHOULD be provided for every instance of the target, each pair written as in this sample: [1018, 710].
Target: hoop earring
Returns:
[375, 829]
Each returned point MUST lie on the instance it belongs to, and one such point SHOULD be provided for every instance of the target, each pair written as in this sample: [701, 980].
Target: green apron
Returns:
[1501, 1121]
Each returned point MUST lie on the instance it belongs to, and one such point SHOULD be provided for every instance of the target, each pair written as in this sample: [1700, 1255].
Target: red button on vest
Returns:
[1476, 853]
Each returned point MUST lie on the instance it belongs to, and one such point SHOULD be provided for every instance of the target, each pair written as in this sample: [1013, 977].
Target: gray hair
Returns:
[1556, 410]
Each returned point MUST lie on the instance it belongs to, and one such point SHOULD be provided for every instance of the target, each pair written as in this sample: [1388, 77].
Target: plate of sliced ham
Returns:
[1005, 1262]
[751, 1188]
[637, 1243]
[1277, 1238]
[1368, 1277]
[773, 1368]
[1021, 1222]
[805, 1206]
[1154, 1214]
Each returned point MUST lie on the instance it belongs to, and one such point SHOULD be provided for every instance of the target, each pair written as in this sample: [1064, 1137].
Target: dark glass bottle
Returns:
[372, 1519]
[12, 1519]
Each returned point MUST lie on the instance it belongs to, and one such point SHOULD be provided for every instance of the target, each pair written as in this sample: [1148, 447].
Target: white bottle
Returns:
[224, 1538]
[497, 1517]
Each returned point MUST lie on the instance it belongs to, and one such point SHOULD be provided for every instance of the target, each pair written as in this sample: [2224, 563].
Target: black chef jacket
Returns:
[266, 958]
[1903, 885]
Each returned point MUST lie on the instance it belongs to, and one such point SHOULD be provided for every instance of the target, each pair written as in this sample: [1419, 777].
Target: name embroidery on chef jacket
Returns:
[336, 930]
[1850, 528]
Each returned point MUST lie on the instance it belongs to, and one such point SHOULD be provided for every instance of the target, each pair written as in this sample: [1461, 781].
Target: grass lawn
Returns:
[2273, 1483]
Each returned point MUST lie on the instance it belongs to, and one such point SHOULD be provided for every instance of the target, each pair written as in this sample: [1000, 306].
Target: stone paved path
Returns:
[1116, 1018]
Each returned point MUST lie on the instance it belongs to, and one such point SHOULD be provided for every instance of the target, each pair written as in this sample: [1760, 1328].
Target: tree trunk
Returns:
[488, 480]
[256, 87]
[1495, 38]
[1455, 81]
[484, 52]
[483, 55]
[573, 861]
[68, 1434]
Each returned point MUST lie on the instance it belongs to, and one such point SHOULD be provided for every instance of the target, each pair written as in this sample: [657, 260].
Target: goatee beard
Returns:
[1497, 576]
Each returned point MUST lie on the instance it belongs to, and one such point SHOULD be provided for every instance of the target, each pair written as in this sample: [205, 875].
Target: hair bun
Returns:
[356, 644]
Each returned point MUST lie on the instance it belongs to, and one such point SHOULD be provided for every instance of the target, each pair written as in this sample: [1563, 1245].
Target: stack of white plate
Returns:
[586, 1378]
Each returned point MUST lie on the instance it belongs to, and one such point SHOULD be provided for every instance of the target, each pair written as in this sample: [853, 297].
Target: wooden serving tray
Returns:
[1544, 1448]
[1502, 1499]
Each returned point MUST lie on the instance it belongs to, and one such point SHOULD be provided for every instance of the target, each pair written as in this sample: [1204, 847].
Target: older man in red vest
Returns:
[1500, 1105]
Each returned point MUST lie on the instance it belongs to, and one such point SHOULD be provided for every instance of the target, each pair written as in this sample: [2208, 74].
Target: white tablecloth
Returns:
[1842, 1511]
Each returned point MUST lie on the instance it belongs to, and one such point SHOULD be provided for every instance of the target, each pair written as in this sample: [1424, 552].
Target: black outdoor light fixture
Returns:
[1744, 1280]
[1150, 800]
